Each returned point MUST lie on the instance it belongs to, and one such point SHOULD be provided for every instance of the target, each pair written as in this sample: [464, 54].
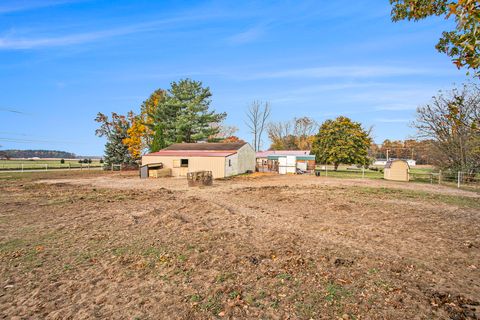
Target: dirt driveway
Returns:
[273, 247]
[131, 181]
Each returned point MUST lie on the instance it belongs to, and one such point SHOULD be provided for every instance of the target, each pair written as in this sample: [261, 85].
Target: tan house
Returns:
[223, 159]
[397, 170]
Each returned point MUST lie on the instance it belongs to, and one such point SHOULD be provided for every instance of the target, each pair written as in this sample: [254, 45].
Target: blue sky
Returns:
[63, 61]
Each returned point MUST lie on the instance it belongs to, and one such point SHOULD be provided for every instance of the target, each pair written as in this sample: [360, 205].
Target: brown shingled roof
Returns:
[205, 146]
[389, 163]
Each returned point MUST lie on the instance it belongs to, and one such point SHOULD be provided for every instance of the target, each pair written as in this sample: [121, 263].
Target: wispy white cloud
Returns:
[306, 92]
[15, 42]
[13, 133]
[354, 76]
[247, 36]
[392, 120]
[343, 72]
[60, 84]
[14, 6]
[29, 43]
[396, 107]
[71, 39]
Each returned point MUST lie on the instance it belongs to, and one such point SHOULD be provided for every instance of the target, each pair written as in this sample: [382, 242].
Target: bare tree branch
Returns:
[257, 116]
[452, 121]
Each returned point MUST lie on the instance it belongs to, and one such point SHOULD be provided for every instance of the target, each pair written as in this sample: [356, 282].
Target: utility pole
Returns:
[387, 154]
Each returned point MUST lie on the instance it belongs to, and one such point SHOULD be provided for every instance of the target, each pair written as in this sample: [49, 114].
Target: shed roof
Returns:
[265, 154]
[188, 153]
[199, 150]
[390, 162]
[299, 157]
[206, 146]
[153, 165]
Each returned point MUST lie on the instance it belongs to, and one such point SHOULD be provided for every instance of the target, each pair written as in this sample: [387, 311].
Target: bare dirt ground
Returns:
[96, 245]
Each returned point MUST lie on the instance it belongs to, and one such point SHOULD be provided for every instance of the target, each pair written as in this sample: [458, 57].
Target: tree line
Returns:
[422, 151]
[13, 153]
[180, 114]
[447, 130]
[448, 135]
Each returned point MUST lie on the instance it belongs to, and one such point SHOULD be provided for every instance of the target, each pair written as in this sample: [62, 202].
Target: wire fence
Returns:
[343, 171]
[25, 167]
[450, 178]
[458, 178]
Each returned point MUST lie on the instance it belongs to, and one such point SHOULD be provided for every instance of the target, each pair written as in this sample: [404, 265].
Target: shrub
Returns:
[62, 161]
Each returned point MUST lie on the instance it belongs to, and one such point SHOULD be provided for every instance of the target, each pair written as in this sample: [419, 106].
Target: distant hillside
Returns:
[37, 153]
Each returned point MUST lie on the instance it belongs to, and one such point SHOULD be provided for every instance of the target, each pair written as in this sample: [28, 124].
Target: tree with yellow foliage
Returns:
[148, 109]
[135, 136]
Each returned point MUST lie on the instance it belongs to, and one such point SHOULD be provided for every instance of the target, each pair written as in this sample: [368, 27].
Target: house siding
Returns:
[214, 164]
[241, 161]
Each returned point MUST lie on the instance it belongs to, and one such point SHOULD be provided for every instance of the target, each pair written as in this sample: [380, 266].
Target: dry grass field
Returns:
[82, 245]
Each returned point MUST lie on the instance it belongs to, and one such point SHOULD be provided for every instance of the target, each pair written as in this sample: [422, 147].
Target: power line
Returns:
[12, 110]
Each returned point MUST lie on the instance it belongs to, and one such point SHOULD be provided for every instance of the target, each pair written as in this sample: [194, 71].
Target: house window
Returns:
[184, 163]
[229, 162]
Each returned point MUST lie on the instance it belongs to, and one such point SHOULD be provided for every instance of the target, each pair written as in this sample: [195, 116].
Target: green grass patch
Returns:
[456, 200]
[308, 307]
[336, 292]
[284, 276]
[213, 304]
[234, 294]
[195, 298]
[41, 164]
[352, 174]
[12, 245]
[224, 277]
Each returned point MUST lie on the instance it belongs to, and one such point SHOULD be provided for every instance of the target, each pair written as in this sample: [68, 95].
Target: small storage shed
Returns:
[397, 170]
[222, 159]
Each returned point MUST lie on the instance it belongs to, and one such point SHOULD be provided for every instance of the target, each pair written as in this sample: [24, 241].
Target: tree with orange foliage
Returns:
[232, 139]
